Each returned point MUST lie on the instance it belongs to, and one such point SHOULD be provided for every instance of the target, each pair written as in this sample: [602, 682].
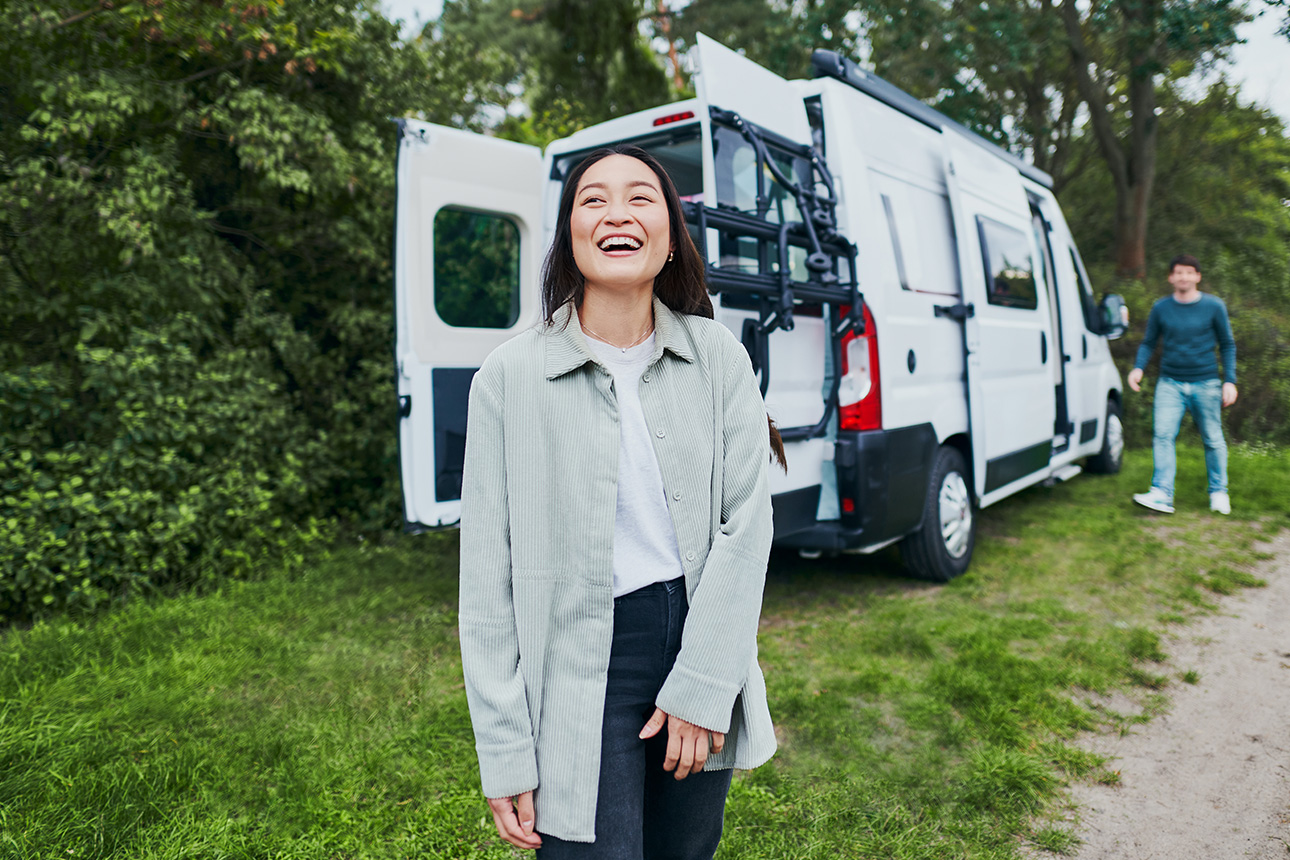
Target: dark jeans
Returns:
[642, 811]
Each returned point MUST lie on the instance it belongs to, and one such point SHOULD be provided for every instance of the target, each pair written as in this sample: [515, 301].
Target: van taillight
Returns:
[860, 393]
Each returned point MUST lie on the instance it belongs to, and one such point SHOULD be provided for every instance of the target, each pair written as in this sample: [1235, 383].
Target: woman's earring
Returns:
[669, 256]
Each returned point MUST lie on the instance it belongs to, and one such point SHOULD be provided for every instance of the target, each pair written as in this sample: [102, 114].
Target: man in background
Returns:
[1189, 325]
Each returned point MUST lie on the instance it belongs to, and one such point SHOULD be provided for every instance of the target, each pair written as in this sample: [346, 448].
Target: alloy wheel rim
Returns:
[956, 515]
[1114, 437]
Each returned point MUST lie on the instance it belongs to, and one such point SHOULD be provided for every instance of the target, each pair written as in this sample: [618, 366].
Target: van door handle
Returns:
[958, 312]
[1043, 347]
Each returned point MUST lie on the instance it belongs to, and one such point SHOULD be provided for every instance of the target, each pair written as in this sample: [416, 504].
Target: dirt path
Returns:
[1209, 779]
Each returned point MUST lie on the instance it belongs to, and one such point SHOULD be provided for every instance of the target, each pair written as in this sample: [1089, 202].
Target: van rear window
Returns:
[476, 269]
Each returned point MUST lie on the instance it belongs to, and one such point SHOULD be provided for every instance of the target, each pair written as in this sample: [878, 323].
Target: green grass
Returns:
[321, 714]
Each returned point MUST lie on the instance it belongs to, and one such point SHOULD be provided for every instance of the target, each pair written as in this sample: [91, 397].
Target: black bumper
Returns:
[884, 475]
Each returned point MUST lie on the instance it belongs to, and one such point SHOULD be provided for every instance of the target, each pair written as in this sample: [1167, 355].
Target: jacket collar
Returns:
[567, 347]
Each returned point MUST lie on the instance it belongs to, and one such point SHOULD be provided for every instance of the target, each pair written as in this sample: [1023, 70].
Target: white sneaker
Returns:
[1156, 499]
[1219, 503]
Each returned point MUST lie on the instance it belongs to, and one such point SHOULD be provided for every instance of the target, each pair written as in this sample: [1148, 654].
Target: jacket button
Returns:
[660, 434]
[689, 556]
[677, 495]
[645, 378]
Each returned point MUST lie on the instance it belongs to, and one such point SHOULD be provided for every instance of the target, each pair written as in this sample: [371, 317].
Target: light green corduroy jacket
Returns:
[538, 501]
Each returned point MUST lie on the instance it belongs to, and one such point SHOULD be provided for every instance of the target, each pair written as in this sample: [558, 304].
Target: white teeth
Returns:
[613, 243]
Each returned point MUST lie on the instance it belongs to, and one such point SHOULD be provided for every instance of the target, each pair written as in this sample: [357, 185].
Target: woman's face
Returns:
[619, 225]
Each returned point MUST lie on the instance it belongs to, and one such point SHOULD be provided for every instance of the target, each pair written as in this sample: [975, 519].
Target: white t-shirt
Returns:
[645, 549]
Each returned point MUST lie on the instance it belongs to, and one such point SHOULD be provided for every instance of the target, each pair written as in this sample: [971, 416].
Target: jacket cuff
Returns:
[505, 771]
[706, 702]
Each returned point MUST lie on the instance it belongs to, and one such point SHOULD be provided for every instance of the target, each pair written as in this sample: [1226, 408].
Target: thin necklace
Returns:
[648, 331]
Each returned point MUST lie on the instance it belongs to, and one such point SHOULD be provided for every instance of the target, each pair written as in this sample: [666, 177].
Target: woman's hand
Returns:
[687, 744]
[513, 817]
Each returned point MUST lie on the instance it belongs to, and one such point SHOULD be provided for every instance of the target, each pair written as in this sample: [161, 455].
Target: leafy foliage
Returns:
[575, 63]
[778, 36]
[195, 224]
[1019, 72]
[196, 201]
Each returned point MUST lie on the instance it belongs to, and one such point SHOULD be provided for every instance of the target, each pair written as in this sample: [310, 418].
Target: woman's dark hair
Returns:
[681, 284]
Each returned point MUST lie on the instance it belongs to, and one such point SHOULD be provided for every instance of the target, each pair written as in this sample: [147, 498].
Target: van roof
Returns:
[834, 65]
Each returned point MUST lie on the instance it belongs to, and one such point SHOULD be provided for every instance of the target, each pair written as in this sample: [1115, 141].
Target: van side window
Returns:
[476, 269]
[1087, 303]
[1009, 267]
[895, 242]
[922, 233]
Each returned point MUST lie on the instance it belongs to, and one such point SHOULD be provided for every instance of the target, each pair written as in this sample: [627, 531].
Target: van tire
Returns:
[1109, 460]
[941, 549]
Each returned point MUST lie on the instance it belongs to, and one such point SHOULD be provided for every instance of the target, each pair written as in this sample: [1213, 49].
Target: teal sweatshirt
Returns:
[1188, 334]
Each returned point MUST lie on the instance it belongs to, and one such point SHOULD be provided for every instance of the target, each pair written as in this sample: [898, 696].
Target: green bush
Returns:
[196, 211]
[182, 466]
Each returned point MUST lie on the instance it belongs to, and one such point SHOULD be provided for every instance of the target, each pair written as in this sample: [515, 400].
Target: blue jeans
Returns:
[1204, 400]
[642, 811]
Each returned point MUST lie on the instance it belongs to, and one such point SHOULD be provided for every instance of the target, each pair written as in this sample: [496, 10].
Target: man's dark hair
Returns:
[1184, 260]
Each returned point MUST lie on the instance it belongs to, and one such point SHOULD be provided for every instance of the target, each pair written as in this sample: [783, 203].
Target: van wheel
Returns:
[1109, 460]
[942, 548]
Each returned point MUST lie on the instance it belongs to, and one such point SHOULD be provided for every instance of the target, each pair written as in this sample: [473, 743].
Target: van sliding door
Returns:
[1012, 345]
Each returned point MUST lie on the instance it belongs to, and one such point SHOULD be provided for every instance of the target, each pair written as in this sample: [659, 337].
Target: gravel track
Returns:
[1209, 779]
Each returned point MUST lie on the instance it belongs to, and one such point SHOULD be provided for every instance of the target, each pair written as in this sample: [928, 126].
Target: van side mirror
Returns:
[1113, 314]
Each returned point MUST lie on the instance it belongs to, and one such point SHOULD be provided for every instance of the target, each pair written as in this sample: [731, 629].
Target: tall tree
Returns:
[600, 60]
[999, 68]
[1019, 70]
[1121, 52]
[1222, 174]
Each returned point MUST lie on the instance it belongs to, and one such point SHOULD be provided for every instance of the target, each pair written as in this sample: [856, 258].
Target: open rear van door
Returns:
[467, 247]
[780, 271]
[731, 81]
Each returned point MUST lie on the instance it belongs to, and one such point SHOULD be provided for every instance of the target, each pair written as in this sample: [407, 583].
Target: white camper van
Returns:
[910, 295]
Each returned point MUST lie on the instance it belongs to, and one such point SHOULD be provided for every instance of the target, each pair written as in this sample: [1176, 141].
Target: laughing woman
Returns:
[615, 528]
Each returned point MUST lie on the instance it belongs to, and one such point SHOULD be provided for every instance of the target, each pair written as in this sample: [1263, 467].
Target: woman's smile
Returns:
[619, 244]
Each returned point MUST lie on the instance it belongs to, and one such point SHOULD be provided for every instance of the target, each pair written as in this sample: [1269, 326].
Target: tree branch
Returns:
[103, 5]
[11, 254]
[205, 73]
[245, 234]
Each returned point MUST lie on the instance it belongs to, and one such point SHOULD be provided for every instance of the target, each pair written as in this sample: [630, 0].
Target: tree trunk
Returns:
[1134, 171]
[1131, 232]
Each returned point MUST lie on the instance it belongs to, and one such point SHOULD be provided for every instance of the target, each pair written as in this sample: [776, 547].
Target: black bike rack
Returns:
[777, 294]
